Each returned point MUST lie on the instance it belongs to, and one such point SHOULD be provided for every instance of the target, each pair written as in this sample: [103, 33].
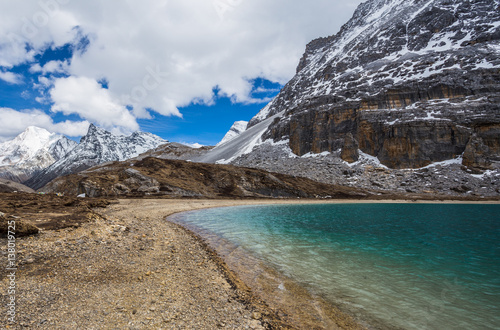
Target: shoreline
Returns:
[283, 302]
[296, 304]
[129, 267]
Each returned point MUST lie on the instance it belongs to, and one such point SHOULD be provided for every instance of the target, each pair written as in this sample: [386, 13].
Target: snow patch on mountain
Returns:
[242, 144]
[235, 130]
[34, 143]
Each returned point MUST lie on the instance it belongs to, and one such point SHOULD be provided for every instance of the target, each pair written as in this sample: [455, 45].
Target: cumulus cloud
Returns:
[160, 55]
[86, 98]
[50, 67]
[11, 78]
[28, 28]
[193, 46]
[14, 122]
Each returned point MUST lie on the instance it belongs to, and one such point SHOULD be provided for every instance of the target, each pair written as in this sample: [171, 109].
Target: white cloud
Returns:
[14, 122]
[37, 23]
[86, 98]
[163, 55]
[50, 67]
[11, 78]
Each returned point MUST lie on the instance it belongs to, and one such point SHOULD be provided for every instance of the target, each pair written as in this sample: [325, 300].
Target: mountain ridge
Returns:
[96, 147]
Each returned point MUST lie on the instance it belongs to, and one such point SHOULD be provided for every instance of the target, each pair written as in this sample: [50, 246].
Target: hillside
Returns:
[176, 178]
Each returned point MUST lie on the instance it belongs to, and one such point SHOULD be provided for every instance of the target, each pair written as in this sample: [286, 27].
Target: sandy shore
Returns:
[131, 269]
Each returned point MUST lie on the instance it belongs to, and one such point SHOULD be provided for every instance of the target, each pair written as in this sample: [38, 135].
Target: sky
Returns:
[181, 69]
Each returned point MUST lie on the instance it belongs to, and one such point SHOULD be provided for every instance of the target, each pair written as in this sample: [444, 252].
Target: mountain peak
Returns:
[33, 132]
[35, 129]
[33, 149]
[235, 130]
[93, 129]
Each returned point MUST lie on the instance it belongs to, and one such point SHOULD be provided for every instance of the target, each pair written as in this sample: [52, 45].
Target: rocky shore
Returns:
[128, 268]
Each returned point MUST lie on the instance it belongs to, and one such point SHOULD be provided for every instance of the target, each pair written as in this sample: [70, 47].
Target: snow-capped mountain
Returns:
[410, 82]
[31, 151]
[405, 84]
[96, 147]
[235, 130]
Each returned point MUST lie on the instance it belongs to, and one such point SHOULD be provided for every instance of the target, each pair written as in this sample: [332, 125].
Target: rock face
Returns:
[31, 151]
[414, 82]
[96, 147]
[350, 152]
[479, 154]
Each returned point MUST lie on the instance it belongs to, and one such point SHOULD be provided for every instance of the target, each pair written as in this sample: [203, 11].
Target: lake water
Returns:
[414, 266]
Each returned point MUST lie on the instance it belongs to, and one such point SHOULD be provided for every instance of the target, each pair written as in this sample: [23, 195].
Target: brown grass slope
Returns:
[31, 212]
[176, 178]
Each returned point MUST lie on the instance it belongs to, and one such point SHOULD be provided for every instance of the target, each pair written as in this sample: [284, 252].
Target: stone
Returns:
[350, 152]
[476, 154]
[256, 315]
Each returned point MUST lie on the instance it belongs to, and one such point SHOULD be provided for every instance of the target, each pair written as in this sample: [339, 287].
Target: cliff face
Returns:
[413, 82]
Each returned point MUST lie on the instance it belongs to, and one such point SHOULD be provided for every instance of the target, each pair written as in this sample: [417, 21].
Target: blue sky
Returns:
[184, 70]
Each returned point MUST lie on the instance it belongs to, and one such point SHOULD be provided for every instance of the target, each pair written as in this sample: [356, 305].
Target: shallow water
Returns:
[415, 266]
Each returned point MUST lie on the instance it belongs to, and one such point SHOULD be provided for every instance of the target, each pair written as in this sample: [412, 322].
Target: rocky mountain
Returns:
[174, 150]
[414, 82]
[96, 147]
[405, 84]
[31, 151]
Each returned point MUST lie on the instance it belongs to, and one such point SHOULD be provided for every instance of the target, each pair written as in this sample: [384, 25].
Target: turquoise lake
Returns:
[413, 266]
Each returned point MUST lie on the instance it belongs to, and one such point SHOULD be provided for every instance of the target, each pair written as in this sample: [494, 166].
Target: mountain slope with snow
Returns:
[96, 147]
[412, 81]
[404, 85]
[31, 151]
[235, 130]
[239, 145]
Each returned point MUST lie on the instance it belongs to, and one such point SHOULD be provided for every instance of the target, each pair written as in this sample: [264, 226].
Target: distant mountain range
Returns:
[96, 147]
[36, 156]
[404, 98]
